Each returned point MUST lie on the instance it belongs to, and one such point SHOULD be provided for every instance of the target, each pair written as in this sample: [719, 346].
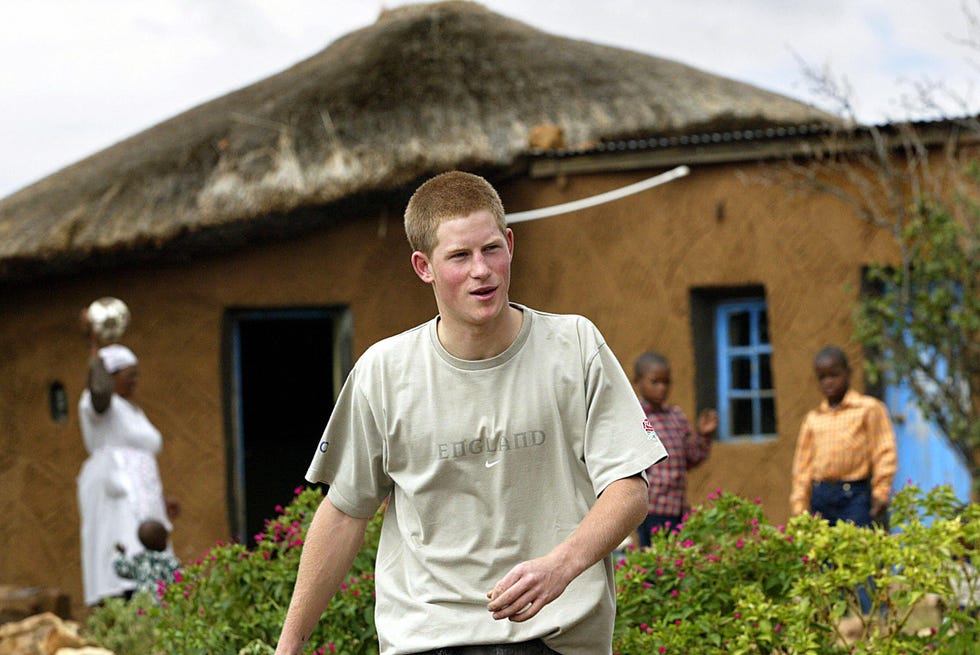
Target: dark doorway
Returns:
[286, 368]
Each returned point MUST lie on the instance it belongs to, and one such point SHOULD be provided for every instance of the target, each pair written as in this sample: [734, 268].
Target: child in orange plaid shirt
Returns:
[845, 455]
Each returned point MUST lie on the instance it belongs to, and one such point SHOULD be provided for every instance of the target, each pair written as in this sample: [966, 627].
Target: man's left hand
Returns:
[526, 589]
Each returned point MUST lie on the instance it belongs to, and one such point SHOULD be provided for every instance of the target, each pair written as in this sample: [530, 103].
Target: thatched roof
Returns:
[426, 88]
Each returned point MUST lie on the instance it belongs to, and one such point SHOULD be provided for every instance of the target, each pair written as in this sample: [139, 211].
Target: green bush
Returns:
[124, 627]
[234, 598]
[727, 582]
[730, 582]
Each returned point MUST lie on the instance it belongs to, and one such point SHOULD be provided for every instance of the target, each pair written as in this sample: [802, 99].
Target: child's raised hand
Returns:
[707, 421]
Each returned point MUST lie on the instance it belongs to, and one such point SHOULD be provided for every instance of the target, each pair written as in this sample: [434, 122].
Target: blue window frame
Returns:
[746, 407]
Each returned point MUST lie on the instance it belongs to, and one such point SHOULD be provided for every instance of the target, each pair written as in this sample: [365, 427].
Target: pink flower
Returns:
[739, 543]
[675, 593]
[298, 490]
[662, 649]
[647, 585]
[265, 555]
[331, 647]
[178, 576]
[259, 537]
[278, 509]
[141, 611]
[643, 626]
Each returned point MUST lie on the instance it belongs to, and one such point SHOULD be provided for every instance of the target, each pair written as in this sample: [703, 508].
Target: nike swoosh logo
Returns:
[493, 463]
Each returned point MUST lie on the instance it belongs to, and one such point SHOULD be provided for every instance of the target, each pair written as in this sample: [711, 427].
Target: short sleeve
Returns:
[350, 456]
[618, 443]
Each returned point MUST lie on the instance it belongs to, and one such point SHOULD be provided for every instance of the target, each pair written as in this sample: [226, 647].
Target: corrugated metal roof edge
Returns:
[762, 133]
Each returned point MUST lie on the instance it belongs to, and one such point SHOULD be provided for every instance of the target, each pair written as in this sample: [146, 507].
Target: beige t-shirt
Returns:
[488, 463]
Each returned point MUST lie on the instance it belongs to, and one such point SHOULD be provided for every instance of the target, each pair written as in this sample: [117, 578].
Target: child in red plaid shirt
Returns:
[687, 448]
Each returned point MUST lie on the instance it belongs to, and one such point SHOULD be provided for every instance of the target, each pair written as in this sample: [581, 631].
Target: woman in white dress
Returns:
[119, 484]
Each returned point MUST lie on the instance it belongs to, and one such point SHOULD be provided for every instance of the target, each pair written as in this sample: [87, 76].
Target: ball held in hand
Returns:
[109, 318]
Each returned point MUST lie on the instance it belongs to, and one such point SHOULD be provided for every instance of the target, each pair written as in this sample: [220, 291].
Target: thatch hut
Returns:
[257, 241]
[426, 88]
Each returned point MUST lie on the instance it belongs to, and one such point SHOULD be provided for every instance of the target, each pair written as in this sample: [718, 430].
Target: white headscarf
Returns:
[116, 357]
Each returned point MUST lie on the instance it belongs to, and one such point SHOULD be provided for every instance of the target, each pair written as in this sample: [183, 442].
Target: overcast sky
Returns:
[77, 76]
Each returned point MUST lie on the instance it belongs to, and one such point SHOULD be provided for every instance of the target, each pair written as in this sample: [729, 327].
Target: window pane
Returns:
[763, 326]
[741, 413]
[768, 416]
[765, 373]
[741, 373]
[738, 329]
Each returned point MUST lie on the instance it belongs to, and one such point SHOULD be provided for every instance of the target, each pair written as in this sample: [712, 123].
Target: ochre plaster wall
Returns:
[628, 265]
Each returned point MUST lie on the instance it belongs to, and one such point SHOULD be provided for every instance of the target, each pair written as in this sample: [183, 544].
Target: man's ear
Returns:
[422, 266]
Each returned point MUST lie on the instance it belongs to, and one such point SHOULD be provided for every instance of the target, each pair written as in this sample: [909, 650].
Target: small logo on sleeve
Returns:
[651, 432]
[324, 445]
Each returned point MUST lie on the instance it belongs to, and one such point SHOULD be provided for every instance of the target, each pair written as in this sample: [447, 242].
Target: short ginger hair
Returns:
[454, 194]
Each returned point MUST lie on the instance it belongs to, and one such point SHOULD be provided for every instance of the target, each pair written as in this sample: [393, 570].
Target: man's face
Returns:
[469, 268]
